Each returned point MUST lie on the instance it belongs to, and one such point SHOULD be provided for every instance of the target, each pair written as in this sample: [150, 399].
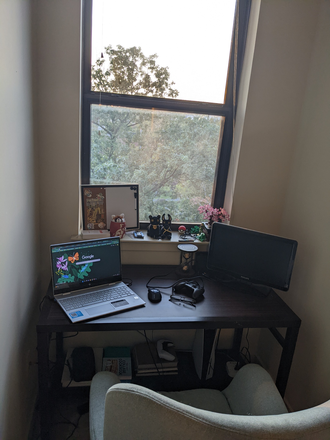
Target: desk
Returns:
[222, 308]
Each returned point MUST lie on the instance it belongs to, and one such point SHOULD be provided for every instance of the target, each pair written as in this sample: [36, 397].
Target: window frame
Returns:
[227, 110]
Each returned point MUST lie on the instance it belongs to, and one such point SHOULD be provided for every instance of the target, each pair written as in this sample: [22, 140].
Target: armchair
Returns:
[250, 408]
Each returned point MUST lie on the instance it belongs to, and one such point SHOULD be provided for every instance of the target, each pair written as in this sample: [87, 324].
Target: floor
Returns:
[70, 406]
[70, 417]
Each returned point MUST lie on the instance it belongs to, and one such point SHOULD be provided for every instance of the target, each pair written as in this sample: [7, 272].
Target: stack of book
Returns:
[118, 360]
[147, 362]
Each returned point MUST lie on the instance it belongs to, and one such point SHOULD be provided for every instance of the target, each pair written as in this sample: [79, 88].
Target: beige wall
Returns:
[283, 180]
[278, 80]
[307, 216]
[281, 183]
[19, 252]
[57, 62]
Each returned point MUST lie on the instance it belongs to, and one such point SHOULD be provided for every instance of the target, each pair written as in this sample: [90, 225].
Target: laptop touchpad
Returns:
[104, 308]
[120, 303]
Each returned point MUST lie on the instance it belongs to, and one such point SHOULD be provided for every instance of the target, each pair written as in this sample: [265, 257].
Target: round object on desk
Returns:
[186, 260]
[187, 248]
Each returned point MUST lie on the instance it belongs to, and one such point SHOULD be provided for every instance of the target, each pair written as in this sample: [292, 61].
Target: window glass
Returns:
[189, 39]
[158, 83]
[172, 156]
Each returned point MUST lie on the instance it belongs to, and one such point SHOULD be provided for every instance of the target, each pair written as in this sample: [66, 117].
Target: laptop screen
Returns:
[83, 264]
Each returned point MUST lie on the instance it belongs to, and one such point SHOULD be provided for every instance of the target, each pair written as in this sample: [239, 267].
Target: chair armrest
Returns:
[101, 382]
[253, 392]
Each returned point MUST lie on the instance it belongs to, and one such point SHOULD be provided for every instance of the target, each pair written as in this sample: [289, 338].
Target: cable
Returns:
[247, 355]
[43, 299]
[75, 427]
[153, 359]
[145, 335]
[158, 276]
[127, 281]
[173, 284]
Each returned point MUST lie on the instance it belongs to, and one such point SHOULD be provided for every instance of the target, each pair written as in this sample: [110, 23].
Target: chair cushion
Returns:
[253, 392]
[210, 400]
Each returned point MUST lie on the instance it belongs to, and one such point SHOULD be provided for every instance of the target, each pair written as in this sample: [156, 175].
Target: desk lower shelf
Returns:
[186, 378]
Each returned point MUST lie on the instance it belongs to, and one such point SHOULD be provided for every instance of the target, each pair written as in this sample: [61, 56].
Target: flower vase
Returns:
[206, 229]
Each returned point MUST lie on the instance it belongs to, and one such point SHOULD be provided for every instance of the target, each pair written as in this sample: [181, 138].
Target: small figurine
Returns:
[154, 229]
[182, 230]
[166, 227]
[118, 218]
[118, 226]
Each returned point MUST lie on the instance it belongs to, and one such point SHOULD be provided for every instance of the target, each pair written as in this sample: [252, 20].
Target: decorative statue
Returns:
[166, 228]
[154, 229]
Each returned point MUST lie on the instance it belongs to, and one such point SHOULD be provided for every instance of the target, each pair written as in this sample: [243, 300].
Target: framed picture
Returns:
[100, 203]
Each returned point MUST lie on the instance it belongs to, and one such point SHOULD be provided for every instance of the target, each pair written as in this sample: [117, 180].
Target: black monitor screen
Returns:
[251, 256]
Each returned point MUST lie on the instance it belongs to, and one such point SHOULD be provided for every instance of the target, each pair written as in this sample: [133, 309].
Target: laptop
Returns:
[87, 279]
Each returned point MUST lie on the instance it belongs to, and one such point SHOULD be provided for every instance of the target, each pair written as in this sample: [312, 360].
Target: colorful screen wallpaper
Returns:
[85, 263]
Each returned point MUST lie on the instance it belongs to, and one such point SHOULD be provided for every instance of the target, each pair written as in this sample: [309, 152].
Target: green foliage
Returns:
[172, 156]
[130, 72]
[67, 279]
[84, 271]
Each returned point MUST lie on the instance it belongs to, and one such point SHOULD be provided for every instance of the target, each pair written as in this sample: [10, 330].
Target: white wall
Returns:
[19, 256]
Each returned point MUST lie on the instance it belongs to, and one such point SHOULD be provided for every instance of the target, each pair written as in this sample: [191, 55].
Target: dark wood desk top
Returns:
[222, 308]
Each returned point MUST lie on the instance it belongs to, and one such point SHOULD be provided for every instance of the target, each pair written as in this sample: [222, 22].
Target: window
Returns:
[158, 99]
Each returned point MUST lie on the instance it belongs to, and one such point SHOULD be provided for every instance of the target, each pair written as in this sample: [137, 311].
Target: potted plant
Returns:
[212, 215]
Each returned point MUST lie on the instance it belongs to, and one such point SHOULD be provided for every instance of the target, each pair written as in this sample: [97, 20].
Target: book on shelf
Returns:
[156, 373]
[155, 370]
[145, 357]
[118, 360]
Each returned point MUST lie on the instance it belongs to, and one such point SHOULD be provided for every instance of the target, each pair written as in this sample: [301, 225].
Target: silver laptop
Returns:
[87, 279]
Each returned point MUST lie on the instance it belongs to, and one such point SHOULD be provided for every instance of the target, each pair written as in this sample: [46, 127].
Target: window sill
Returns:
[151, 251]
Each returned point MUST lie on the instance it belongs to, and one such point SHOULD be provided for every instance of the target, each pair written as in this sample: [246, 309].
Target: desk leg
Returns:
[60, 359]
[43, 377]
[289, 345]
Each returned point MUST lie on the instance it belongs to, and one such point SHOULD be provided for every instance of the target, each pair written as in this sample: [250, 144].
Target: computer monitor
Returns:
[251, 257]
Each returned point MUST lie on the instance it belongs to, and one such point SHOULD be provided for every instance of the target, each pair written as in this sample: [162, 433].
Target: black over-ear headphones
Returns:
[191, 288]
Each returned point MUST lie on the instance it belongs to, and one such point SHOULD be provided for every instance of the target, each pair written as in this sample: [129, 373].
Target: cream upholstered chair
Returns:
[250, 408]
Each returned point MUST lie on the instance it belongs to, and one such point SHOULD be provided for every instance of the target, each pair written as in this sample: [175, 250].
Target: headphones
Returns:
[191, 288]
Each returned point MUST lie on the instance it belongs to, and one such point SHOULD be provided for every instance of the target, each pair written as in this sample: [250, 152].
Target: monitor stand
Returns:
[239, 285]
[250, 288]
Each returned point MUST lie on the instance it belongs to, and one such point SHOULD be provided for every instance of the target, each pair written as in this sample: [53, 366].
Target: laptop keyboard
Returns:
[101, 296]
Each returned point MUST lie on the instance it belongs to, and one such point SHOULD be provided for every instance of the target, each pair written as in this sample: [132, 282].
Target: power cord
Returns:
[150, 351]
[128, 282]
[245, 352]
[42, 301]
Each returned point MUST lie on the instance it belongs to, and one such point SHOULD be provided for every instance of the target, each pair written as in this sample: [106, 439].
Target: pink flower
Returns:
[213, 214]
